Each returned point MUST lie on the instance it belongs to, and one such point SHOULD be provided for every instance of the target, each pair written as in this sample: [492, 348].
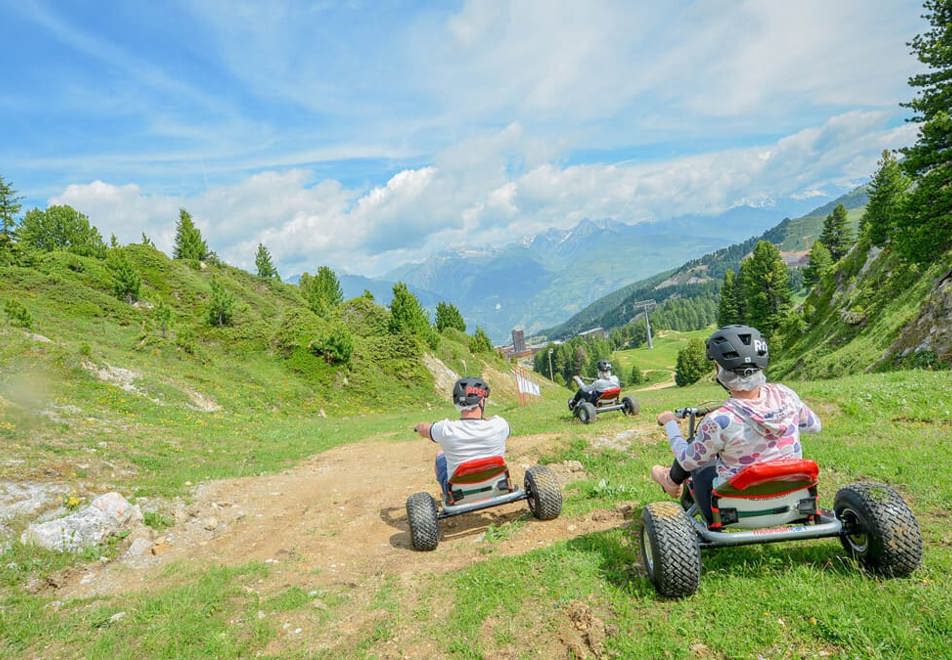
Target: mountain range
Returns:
[543, 279]
[694, 278]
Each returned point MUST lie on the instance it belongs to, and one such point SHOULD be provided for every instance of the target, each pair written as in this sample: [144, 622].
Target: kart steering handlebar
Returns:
[681, 413]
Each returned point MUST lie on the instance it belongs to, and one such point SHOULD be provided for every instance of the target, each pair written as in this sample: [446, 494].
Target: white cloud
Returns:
[470, 198]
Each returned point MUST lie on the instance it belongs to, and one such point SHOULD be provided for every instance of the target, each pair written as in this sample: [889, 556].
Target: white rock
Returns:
[28, 498]
[118, 616]
[118, 507]
[89, 526]
[140, 547]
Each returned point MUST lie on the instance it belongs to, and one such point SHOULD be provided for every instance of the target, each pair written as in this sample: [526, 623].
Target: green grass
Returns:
[789, 599]
[658, 362]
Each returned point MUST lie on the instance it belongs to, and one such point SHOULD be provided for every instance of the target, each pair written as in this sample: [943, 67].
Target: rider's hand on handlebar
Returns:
[665, 417]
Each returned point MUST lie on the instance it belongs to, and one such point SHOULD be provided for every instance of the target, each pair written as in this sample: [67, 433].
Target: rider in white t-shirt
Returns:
[471, 436]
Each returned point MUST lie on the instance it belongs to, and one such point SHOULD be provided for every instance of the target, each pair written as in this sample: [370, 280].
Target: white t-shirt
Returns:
[466, 439]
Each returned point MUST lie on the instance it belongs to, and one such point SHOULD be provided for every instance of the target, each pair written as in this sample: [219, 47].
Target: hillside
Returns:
[873, 313]
[95, 369]
[550, 276]
[700, 278]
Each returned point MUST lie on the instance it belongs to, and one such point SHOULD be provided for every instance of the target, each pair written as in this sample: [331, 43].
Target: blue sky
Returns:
[366, 134]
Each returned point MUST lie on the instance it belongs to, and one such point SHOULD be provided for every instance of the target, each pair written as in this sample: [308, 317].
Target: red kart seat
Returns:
[479, 479]
[771, 479]
[766, 494]
[610, 393]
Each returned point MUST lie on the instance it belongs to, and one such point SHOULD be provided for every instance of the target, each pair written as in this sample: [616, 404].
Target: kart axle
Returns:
[450, 510]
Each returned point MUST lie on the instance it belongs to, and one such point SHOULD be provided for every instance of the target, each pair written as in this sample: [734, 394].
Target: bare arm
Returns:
[423, 428]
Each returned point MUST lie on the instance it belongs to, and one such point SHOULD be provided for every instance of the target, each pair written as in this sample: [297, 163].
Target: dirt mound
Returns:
[583, 634]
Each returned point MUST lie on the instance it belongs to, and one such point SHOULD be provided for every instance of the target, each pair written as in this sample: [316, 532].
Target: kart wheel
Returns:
[880, 531]
[544, 494]
[669, 550]
[586, 412]
[424, 530]
[631, 406]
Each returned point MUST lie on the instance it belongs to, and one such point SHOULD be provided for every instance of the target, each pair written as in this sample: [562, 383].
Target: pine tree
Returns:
[113, 241]
[727, 312]
[9, 208]
[146, 241]
[125, 280]
[887, 198]
[479, 342]
[820, 264]
[836, 234]
[407, 315]
[189, 243]
[163, 316]
[691, 364]
[221, 306]
[264, 264]
[448, 316]
[766, 288]
[924, 229]
[322, 291]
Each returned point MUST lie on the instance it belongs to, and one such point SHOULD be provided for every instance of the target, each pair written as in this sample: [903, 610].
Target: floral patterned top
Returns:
[746, 431]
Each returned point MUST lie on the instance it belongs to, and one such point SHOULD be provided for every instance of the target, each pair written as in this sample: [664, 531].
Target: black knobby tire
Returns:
[543, 493]
[881, 531]
[669, 550]
[424, 528]
[586, 412]
[631, 406]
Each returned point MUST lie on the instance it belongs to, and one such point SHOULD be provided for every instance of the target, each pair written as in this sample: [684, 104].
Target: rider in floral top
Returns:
[760, 422]
[746, 431]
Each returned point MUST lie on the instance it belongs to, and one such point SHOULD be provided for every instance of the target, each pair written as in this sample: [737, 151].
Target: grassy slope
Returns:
[787, 599]
[657, 363]
[884, 292]
[58, 420]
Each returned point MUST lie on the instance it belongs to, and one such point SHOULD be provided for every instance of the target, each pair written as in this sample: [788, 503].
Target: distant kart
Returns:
[776, 501]
[481, 484]
[607, 401]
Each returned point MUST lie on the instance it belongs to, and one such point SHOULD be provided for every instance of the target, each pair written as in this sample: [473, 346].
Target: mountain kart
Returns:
[481, 484]
[605, 401]
[774, 502]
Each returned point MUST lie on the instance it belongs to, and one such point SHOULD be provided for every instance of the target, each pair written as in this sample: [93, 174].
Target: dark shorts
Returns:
[441, 474]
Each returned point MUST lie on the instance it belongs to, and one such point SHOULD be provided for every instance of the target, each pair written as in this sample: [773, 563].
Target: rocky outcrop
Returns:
[89, 526]
[930, 334]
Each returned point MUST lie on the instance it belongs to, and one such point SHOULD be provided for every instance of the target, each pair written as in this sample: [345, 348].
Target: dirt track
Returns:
[339, 515]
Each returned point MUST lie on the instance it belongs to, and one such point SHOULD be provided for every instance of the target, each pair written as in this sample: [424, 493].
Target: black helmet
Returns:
[604, 365]
[738, 348]
[469, 391]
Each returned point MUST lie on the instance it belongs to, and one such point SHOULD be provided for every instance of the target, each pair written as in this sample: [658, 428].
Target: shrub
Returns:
[297, 329]
[18, 315]
[637, 377]
[221, 306]
[365, 317]
[336, 347]
[479, 343]
[126, 280]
